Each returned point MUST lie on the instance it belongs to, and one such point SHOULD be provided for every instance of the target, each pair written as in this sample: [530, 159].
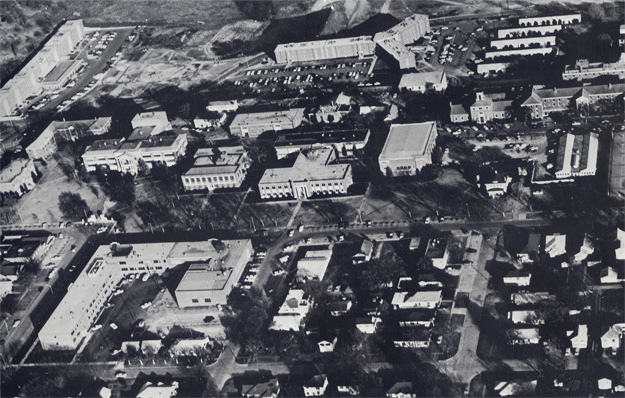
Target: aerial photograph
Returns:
[302, 198]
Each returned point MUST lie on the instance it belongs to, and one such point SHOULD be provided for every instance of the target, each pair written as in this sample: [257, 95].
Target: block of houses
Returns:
[517, 278]
[217, 168]
[314, 173]
[530, 251]
[422, 299]
[438, 252]
[269, 389]
[292, 312]
[368, 324]
[522, 336]
[424, 81]
[364, 253]
[408, 148]
[555, 245]
[417, 317]
[316, 386]
[314, 263]
[579, 338]
[402, 389]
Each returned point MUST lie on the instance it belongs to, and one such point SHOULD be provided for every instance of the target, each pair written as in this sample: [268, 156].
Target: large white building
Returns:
[408, 148]
[216, 168]
[424, 81]
[394, 40]
[361, 46]
[86, 297]
[509, 33]
[564, 19]
[18, 176]
[343, 142]
[254, 124]
[577, 155]
[313, 173]
[585, 70]
[523, 42]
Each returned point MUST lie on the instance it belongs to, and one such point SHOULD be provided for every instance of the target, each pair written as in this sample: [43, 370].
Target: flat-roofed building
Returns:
[292, 312]
[522, 336]
[586, 70]
[9, 100]
[421, 299]
[424, 81]
[314, 263]
[407, 31]
[577, 155]
[543, 101]
[361, 46]
[509, 33]
[254, 124]
[312, 174]
[126, 156]
[616, 176]
[223, 106]
[621, 37]
[18, 176]
[210, 283]
[46, 144]
[523, 42]
[216, 168]
[408, 148]
[343, 142]
[518, 52]
[438, 252]
[562, 19]
[60, 75]
[156, 120]
[486, 68]
[404, 57]
[87, 296]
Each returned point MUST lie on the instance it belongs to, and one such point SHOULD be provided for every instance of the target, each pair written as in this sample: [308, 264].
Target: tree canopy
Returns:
[72, 205]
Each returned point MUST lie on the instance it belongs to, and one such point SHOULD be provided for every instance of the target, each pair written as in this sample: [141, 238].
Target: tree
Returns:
[117, 186]
[259, 10]
[378, 273]
[72, 205]
[596, 11]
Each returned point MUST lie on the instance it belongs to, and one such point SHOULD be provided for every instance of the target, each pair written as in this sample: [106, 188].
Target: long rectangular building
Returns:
[515, 52]
[252, 125]
[361, 46]
[577, 155]
[408, 148]
[523, 42]
[343, 142]
[510, 33]
[586, 70]
[85, 299]
[564, 19]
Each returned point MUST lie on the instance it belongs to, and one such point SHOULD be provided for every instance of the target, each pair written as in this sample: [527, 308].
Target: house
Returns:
[158, 390]
[327, 344]
[516, 388]
[368, 324]
[530, 251]
[314, 263]
[402, 389]
[105, 392]
[364, 253]
[341, 307]
[585, 250]
[292, 312]
[610, 275]
[316, 386]
[421, 299]
[555, 245]
[612, 340]
[270, 389]
[419, 317]
[577, 155]
[497, 186]
[429, 281]
[620, 250]
[528, 317]
[438, 252]
[522, 336]
[424, 81]
[223, 106]
[458, 113]
[517, 278]
[157, 121]
[340, 106]
[190, 347]
[604, 384]
[217, 168]
[579, 338]
[530, 298]
[408, 148]
[143, 346]
[348, 389]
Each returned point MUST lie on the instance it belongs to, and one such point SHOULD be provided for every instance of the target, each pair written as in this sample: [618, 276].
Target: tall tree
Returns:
[72, 205]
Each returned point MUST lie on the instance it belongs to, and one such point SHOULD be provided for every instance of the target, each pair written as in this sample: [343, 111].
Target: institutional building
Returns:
[404, 57]
[317, 50]
[127, 156]
[313, 174]
[585, 70]
[408, 148]
[87, 296]
[210, 282]
[252, 125]
[424, 81]
[216, 168]
[577, 155]
[616, 176]
[564, 19]
[60, 75]
[343, 142]
[543, 101]
[46, 144]
[151, 123]
[18, 176]
[488, 108]
[223, 106]
[394, 40]
[486, 68]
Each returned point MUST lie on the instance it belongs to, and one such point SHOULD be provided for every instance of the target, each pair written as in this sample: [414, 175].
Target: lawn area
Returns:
[329, 211]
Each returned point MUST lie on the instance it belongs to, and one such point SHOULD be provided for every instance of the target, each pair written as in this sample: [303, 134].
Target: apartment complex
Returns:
[128, 156]
[543, 101]
[313, 174]
[86, 297]
[210, 282]
[216, 168]
[343, 142]
[586, 70]
[424, 81]
[46, 144]
[394, 40]
[528, 31]
[252, 125]
[361, 46]
[408, 148]
[29, 81]
[563, 19]
[577, 155]
[18, 176]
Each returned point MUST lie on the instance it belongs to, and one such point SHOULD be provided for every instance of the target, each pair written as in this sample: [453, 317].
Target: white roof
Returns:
[620, 251]
[408, 140]
[399, 298]
[555, 245]
[422, 79]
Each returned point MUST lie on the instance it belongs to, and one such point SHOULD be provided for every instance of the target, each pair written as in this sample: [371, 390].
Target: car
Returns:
[120, 374]
[291, 233]
[208, 319]
[368, 223]
[72, 268]
[96, 327]
[146, 305]
[113, 325]
[278, 271]
[390, 234]
[400, 235]
[145, 277]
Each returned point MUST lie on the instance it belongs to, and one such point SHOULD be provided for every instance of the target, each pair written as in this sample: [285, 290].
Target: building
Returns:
[362, 46]
[408, 148]
[438, 252]
[45, 145]
[292, 311]
[612, 340]
[333, 112]
[208, 122]
[488, 108]
[577, 155]
[610, 275]
[523, 42]
[528, 317]
[616, 172]
[393, 41]
[316, 386]
[223, 106]
[269, 388]
[555, 245]
[402, 389]
[343, 142]
[216, 168]
[18, 177]
[619, 251]
[498, 186]
[158, 390]
[251, 125]
[458, 114]
[564, 19]
[543, 101]
[517, 278]
[152, 122]
[516, 388]
[522, 336]
[405, 58]
[61, 74]
[412, 318]
[424, 81]
[421, 299]
[518, 52]
[621, 37]
[314, 263]
[129, 156]
[529, 252]
[19, 249]
[368, 324]
[579, 339]
[486, 68]
[88, 295]
[528, 31]
[586, 249]
[327, 345]
[364, 253]
[314, 173]
[583, 70]
[530, 298]
[209, 283]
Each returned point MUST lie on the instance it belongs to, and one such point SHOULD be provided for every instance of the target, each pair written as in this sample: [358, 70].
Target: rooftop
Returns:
[321, 137]
[323, 43]
[310, 165]
[577, 152]
[59, 70]
[14, 169]
[422, 79]
[207, 162]
[261, 118]
[408, 140]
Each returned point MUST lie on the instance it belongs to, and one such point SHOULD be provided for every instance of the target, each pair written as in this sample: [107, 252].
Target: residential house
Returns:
[340, 307]
[579, 338]
[530, 298]
[327, 344]
[438, 252]
[314, 263]
[528, 317]
[418, 317]
[620, 250]
[611, 275]
[517, 278]
[496, 187]
[402, 389]
[555, 245]
[316, 386]
[604, 384]
[529, 252]
[293, 311]
[585, 250]
[267, 389]
[612, 340]
[365, 252]
[522, 336]
[368, 324]
[348, 389]
[160, 390]
[421, 299]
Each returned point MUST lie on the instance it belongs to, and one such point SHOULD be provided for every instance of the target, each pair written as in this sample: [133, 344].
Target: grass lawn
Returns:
[329, 211]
